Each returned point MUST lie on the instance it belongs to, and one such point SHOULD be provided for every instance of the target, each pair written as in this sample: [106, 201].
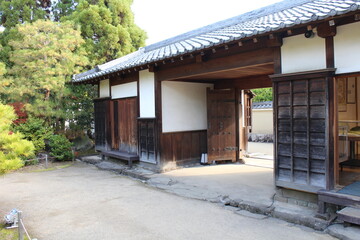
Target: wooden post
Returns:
[21, 227]
[46, 161]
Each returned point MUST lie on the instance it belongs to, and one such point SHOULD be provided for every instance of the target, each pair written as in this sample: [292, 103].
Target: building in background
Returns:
[169, 102]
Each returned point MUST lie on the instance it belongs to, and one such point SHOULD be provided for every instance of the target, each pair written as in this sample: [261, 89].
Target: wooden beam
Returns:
[131, 77]
[329, 48]
[324, 30]
[277, 60]
[260, 81]
[301, 75]
[261, 56]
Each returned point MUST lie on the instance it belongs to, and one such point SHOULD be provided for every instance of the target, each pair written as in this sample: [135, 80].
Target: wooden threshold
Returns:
[350, 215]
[336, 198]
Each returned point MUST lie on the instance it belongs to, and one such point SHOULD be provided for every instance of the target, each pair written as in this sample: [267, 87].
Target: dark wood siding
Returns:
[101, 108]
[302, 137]
[182, 147]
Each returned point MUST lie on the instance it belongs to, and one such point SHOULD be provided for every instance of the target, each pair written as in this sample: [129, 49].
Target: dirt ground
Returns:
[82, 202]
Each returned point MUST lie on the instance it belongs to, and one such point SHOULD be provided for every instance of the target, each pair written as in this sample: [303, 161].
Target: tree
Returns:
[108, 28]
[62, 8]
[13, 148]
[13, 12]
[44, 58]
[79, 108]
[262, 94]
[2, 69]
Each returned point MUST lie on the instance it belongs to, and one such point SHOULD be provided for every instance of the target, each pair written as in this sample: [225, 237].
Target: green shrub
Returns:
[35, 130]
[60, 147]
[13, 148]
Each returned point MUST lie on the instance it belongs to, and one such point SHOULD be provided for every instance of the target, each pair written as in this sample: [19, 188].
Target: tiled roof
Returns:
[262, 105]
[277, 16]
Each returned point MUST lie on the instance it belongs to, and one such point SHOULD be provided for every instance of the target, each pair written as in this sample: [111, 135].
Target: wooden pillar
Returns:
[158, 122]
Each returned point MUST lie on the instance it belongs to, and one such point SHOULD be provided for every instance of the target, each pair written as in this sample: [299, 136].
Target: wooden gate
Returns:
[222, 134]
[124, 125]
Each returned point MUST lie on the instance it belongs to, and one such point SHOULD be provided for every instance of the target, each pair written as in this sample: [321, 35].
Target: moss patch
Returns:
[8, 234]
[53, 168]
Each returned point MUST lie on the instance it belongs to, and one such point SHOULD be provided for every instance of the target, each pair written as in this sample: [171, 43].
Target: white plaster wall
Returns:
[104, 88]
[300, 54]
[147, 94]
[124, 90]
[262, 121]
[184, 106]
[347, 48]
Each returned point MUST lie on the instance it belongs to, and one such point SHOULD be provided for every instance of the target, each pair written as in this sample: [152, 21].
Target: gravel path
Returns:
[82, 202]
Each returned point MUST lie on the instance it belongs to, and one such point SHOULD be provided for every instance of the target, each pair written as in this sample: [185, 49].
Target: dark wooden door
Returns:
[124, 125]
[146, 127]
[221, 111]
[303, 147]
[101, 108]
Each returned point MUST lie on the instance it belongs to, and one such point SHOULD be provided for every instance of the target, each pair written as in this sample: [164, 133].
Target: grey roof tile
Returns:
[280, 15]
[262, 105]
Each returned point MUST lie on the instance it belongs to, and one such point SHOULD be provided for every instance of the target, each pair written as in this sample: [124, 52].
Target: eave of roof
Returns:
[285, 14]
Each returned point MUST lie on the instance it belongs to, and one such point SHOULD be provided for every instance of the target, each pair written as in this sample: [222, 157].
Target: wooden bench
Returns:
[129, 157]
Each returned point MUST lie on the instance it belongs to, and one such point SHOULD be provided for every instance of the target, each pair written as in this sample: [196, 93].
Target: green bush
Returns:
[35, 130]
[13, 148]
[60, 147]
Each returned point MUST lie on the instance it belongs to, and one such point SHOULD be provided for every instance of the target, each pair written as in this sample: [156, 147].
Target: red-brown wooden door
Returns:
[124, 125]
[221, 112]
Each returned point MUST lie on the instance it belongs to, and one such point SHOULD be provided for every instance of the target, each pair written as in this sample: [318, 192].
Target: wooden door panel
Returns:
[132, 130]
[101, 109]
[124, 125]
[114, 116]
[221, 125]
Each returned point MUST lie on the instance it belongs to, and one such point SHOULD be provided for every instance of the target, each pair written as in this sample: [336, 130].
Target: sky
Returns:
[163, 19]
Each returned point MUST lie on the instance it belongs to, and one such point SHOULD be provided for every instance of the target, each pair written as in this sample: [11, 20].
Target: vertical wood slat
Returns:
[276, 130]
[158, 123]
[332, 121]
[308, 131]
[291, 131]
[237, 121]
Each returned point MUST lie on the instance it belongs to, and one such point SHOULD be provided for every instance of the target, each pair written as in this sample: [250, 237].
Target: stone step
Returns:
[350, 215]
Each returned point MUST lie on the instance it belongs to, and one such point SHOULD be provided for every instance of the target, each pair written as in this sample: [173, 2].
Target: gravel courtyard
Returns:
[82, 202]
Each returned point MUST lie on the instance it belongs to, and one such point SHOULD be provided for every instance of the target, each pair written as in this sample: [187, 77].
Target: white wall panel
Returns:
[184, 106]
[147, 94]
[347, 48]
[104, 88]
[300, 54]
[124, 90]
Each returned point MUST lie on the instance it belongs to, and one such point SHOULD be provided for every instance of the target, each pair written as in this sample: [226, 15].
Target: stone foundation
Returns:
[299, 198]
